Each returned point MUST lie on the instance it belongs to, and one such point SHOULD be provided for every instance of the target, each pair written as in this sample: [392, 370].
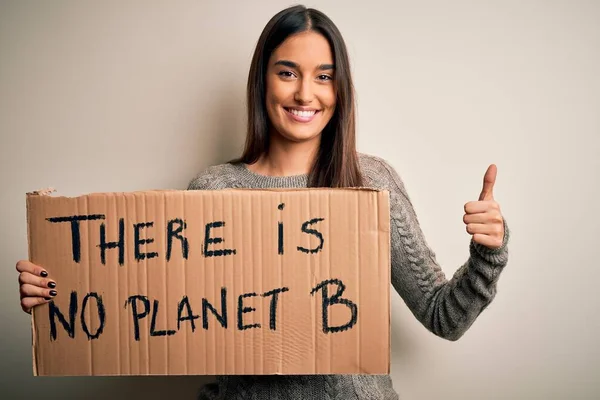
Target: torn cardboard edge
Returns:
[50, 191]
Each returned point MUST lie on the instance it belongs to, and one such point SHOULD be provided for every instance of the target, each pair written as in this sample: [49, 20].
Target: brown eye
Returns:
[286, 74]
[325, 77]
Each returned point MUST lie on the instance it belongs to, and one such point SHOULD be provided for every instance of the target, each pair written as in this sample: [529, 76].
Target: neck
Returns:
[287, 158]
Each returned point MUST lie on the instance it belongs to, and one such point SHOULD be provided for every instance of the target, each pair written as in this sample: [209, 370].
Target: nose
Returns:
[304, 93]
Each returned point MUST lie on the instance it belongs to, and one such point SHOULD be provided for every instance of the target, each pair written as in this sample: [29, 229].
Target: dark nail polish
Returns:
[47, 298]
[44, 274]
[53, 293]
[52, 285]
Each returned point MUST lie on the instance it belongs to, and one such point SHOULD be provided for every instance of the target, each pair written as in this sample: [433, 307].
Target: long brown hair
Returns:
[336, 163]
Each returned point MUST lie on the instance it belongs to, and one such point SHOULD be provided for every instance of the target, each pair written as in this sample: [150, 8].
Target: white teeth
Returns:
[304, 114]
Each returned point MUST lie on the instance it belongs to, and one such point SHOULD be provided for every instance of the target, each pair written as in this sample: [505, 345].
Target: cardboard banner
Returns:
[213, 282]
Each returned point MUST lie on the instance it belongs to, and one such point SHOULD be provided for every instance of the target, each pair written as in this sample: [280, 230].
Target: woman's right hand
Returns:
[34, 285]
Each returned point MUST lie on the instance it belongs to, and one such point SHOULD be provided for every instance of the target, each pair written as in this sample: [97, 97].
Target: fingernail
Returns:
[44, 274]
[47, 298]
[52, 285]
[53, 293]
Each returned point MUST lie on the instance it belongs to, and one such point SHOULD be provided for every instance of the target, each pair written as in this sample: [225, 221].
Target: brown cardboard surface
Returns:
[213, 282]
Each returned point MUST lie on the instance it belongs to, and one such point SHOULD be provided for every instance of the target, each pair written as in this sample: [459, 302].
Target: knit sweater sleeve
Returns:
[446, 307]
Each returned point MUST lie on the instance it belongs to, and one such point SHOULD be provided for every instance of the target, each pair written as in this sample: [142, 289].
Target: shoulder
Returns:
[377, 172]
[380, 174]
[221, 176]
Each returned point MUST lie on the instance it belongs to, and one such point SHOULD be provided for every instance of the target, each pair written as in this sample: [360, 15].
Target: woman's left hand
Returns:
[483, 218]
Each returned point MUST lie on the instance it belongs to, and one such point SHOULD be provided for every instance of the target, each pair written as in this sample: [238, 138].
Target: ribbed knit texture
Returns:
[446, 307]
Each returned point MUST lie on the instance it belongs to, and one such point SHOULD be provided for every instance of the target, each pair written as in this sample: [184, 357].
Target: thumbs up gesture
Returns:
[483, 217]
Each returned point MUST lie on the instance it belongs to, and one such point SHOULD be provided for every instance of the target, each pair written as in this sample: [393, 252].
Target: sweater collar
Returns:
[252, 179]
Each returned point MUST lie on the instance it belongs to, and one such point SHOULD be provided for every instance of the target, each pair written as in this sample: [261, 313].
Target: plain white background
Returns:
[133, 95]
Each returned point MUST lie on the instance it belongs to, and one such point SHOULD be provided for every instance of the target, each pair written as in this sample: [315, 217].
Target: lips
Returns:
[300, 115]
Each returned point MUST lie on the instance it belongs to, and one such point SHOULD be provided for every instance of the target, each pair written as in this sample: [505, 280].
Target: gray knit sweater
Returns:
[445, 307]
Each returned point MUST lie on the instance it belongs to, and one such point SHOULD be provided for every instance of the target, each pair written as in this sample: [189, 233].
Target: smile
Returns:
[301, 115]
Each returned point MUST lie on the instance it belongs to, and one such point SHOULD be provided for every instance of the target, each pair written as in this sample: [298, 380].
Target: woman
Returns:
[301, 132]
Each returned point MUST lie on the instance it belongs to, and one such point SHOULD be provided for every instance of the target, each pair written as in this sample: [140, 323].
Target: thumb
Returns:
[487, 192]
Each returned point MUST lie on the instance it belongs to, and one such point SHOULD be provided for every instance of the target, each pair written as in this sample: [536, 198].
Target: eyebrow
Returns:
[291, 64]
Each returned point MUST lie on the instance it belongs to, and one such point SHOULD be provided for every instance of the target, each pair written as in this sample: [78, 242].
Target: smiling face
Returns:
[300, 93]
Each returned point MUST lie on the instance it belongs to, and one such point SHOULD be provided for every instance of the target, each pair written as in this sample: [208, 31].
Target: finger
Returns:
[26, 277]
[28, 290]
[487, 241]
[485, 229]
[474, 207]
[27, 303]
[489, 179]
[28, 266]
[488, 217]
[478, 218]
